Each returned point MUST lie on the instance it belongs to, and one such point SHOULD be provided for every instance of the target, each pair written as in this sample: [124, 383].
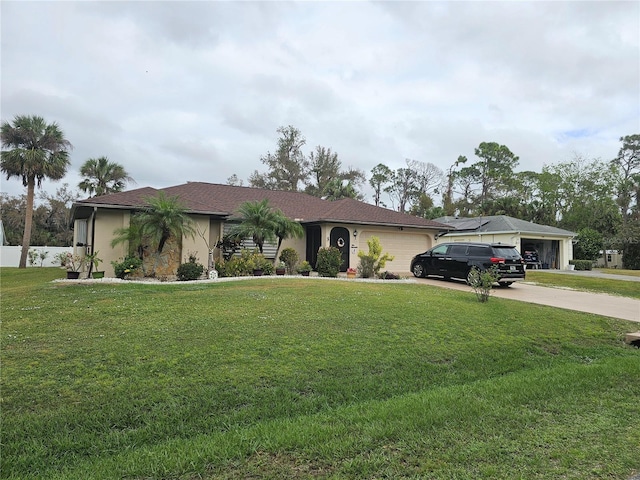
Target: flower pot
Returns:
[258, 272]
[351, 274]
[304, 274]
[73, 275]
[97, 274]
[280, 271]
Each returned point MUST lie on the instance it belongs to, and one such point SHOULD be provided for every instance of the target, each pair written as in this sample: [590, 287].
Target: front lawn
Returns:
[609, 286]
[308, 378]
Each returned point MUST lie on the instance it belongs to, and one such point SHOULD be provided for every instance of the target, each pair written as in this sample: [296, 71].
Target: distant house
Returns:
[554, 245]
[346, 224]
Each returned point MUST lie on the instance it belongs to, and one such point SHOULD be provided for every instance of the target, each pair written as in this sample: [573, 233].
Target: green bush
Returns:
[372, 262]
[244, 265]
[482, 282]
[366, 267]
[128, 266]
[588, 245]
[290, 257]
[190, 270]
[304, 267]
[261, 263]
[582, 264]
[329, 262]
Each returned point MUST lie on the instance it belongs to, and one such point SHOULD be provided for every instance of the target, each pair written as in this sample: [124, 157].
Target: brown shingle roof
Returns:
[224, 200]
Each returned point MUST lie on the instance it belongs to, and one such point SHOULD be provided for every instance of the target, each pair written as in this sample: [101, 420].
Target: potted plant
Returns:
[74, 264]
[351, 272]
[94, 261]
[281, 269]
[304, 268]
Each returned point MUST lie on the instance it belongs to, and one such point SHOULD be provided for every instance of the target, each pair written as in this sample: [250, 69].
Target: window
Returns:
[478, 251]
[81, 233]
[439, 250]
[457, 250]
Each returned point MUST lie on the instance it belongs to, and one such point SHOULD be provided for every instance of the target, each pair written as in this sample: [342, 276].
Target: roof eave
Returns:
[520, 232]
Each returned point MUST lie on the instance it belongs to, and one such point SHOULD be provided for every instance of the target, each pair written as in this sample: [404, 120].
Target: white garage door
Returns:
[403, 246]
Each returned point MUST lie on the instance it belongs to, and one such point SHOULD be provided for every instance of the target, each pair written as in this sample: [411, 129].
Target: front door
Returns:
[314, 242]
[339, 238]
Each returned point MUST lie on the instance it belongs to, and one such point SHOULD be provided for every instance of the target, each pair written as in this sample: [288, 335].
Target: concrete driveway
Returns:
[600, 304]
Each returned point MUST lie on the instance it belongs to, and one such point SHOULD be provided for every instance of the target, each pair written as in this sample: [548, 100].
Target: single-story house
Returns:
[554, 245]
[346, 224]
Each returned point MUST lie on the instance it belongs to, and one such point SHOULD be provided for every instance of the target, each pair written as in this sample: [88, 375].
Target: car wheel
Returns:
[418, 270]
[505, 284]
[473, 277]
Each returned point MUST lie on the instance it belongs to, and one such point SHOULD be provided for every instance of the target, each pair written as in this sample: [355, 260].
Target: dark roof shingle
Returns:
[224, 200]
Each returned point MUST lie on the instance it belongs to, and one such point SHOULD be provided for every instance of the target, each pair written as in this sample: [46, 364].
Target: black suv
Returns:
[456, 260]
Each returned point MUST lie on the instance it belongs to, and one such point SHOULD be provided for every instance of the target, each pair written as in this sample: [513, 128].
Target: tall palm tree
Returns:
[102, 177]
[38, 150]
[258, 221]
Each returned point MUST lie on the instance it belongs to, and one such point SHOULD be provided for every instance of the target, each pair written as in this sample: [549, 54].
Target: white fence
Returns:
[10, 256]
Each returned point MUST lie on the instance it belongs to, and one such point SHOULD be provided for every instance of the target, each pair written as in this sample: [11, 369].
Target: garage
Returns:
[403, 246]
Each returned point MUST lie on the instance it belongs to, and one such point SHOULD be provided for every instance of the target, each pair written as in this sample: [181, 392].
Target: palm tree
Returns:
[38, 151]
[103, 177]
[165, 217]
[286, 228]
[258, 221]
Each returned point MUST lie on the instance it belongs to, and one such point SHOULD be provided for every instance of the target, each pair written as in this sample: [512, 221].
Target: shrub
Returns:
[261, 263]
[290, 257]
[33, 256]
[304, 267]
[234, 267]
[588, 245]
[582, 264]
[128, 266]
[191, 270]
[371, 263]
[482, 282]
[62, 258]
[244, 265]
[366, 266]
[329, 261]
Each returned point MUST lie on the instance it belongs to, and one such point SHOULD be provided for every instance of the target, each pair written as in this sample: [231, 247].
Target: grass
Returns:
[622, 288]
[619, 271]
[302, 378]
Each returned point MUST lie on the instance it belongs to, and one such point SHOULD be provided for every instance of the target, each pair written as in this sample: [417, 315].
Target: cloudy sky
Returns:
[180, 91]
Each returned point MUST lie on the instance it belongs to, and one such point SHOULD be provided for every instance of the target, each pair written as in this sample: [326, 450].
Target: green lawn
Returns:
[619, 271]
[623, 288]
[304, 378]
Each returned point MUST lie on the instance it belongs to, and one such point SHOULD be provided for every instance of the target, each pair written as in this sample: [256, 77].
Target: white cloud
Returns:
[179, 91]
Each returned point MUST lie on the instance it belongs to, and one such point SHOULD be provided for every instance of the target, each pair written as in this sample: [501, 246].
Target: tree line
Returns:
[598, 198]
[579, 195]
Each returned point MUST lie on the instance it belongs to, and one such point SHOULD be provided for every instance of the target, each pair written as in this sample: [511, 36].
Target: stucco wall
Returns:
[198, 244]
[107, 221]
[402, 244]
